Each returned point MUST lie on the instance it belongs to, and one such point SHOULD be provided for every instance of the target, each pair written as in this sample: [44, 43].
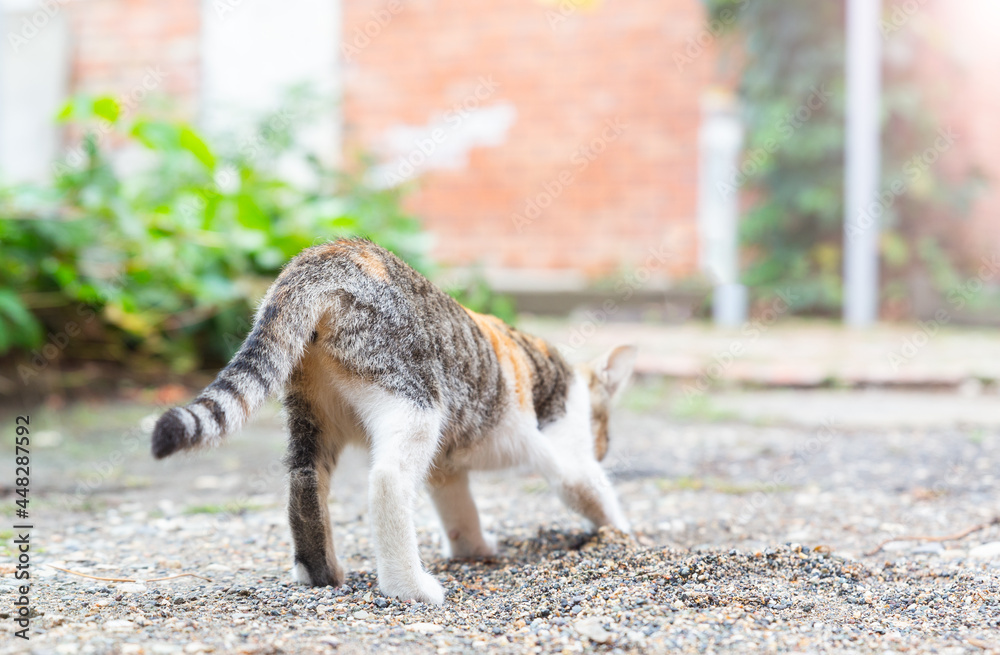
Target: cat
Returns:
[368, 351]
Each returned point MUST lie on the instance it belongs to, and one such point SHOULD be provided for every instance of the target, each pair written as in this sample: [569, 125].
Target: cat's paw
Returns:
[484, 547]
[622, 525]
[425, 588]
[327, 577]
[490, 545]
[430, 590]
[300, 575]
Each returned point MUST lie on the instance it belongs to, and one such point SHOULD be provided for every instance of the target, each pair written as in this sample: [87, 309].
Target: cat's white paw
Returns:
[300, 574]
[622, 525]
[431, 590]
[484, 547]
[425, 589]
[331, 576]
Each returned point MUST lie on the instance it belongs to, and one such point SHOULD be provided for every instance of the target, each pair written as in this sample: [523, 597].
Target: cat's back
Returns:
[371, 287]
[388, 324]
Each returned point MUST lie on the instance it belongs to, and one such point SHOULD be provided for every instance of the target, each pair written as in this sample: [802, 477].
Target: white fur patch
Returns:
[186, 419]
[569, 437]
[570, 466]
[403, 442]
[208, 425]
[230, 406]
[253, 392]
[300, 575]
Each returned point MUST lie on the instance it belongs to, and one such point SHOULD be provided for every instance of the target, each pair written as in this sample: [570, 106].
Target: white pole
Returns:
[862, 162]
[720, 143]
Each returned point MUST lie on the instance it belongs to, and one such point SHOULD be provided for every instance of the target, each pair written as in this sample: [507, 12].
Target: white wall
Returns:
[34, 78]
[252, 50]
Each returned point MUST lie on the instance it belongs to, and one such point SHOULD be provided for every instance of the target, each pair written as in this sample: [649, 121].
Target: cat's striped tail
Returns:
[282, 329]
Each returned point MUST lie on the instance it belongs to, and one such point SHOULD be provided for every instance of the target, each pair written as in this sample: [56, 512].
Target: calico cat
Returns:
[368, 351]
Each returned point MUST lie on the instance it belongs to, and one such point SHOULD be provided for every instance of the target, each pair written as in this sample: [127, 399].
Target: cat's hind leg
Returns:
[310, 459]
[459, 517]
[404, 440]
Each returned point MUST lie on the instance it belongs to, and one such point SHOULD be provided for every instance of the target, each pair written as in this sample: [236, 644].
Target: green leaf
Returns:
[107, 108]
[65, 112]
[249, 213]
[17, 325]
[156, 135]
[86, 108]
[194, 144]
[76, 108]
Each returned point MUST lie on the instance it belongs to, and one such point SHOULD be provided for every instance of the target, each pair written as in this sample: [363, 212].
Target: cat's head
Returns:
[606, 378]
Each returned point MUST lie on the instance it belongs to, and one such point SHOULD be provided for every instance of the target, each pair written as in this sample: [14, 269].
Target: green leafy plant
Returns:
[157, 254]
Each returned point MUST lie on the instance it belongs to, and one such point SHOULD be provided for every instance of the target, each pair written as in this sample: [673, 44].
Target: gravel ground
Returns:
[750, 538]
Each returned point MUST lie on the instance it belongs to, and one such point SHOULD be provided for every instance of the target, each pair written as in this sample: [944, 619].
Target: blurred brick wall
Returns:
[632, 61]
[567, 77]
[963, 84]
[137, 48]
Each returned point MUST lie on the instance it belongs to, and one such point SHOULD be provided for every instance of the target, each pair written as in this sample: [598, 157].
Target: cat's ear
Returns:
[614, 368]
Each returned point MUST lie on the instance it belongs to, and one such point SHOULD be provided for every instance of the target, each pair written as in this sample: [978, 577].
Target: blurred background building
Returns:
[520, 96]
[558, 147]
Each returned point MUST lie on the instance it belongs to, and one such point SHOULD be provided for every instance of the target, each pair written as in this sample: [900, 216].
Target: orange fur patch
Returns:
[362, 257]
[512, 359]
[334, 248]
[599, 402]
[371, 265]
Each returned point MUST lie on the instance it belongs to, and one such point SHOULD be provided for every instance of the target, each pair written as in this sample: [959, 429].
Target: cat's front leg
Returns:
[460, 519]
[592, 495]
[584, 487]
